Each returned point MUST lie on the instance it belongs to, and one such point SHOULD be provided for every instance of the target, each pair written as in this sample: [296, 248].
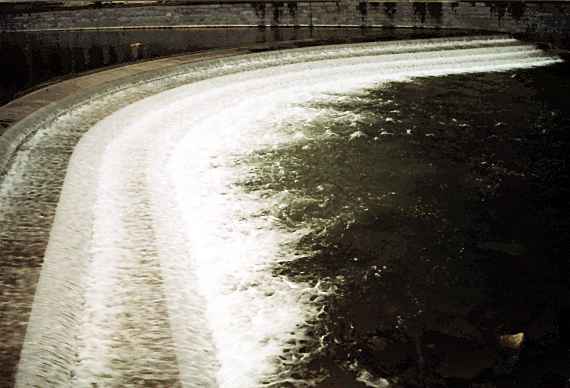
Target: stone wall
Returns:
[543, 20]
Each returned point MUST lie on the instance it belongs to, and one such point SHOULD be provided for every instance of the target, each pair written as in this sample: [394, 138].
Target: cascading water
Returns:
[158, 270]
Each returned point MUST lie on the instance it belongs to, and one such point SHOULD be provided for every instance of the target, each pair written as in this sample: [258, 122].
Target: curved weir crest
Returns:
[158, 270]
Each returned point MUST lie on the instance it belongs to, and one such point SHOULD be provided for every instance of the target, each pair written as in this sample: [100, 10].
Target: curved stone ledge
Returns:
[80, 111]
[56, 100]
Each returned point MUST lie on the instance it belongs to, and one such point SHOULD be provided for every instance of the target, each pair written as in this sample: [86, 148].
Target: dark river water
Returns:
[32, 58]
[443, 218]
[436, 208]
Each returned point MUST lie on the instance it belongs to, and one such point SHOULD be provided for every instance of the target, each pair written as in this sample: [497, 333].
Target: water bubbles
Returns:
[169, 257]
[299, 136]
[369, 380]
[328, 134]
[357, 135]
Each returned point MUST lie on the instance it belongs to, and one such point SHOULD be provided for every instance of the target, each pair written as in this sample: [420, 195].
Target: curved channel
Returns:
[158, 270]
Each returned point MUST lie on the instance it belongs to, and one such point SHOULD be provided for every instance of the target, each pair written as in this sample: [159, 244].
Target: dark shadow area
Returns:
[444, 225]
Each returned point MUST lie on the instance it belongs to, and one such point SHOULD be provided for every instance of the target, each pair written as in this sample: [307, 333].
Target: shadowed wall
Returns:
[541, 20]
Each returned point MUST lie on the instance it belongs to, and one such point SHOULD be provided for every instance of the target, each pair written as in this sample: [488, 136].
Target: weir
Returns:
[159, 266]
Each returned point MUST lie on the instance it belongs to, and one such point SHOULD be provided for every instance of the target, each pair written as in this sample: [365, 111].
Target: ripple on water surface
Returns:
[433, 212]
[168, 272]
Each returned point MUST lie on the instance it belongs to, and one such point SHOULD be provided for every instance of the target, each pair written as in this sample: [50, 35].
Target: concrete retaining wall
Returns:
[544, 20]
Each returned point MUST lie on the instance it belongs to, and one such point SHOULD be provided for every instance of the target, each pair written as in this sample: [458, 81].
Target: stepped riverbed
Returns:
[375, 214]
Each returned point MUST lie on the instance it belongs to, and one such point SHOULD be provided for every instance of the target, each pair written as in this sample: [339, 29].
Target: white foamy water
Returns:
[159, 265]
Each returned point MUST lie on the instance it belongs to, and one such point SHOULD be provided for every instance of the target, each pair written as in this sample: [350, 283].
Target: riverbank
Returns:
[547, 21]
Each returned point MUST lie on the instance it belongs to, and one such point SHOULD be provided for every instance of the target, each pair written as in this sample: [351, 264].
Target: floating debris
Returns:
[512, 341]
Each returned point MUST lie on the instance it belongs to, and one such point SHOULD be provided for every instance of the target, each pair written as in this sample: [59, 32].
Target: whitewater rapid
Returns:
[158, 270]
